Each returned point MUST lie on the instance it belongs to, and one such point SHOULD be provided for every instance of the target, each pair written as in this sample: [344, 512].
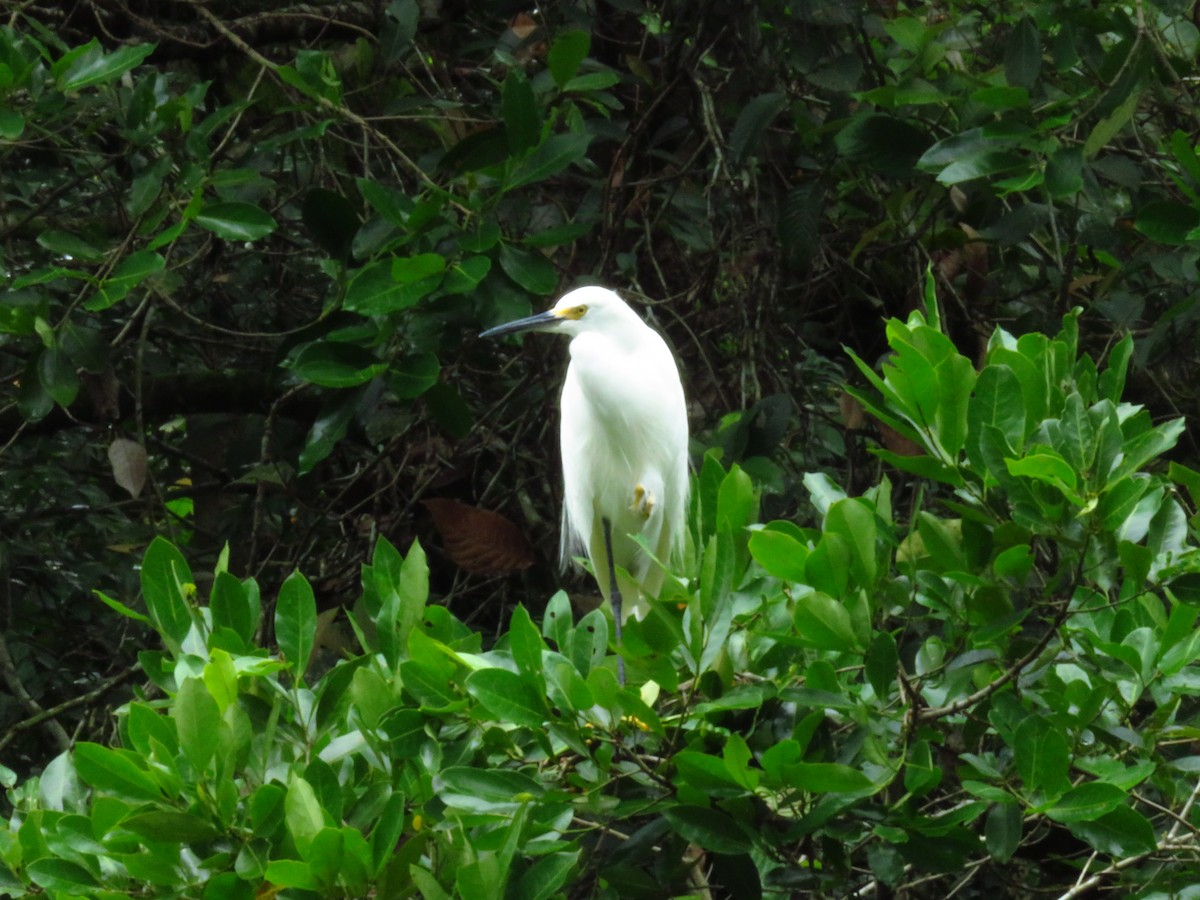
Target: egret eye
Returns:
[577, 312]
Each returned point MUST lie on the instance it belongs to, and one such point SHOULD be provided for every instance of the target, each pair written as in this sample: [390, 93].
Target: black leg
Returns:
[614, 597]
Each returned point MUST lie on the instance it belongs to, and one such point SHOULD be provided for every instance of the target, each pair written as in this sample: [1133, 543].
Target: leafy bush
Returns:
[991, 691]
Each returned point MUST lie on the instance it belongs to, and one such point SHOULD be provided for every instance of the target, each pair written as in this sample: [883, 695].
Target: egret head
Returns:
[577, 311]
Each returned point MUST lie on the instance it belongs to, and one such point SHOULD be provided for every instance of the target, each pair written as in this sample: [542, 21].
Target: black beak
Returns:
[540, 322]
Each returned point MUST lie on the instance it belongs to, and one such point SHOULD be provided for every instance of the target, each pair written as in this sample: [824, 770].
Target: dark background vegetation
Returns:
[203, 334]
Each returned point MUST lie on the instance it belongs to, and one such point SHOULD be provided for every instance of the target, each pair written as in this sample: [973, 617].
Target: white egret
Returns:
[624, 437]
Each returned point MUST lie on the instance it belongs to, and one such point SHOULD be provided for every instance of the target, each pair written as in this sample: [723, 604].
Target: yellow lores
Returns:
[624, 443]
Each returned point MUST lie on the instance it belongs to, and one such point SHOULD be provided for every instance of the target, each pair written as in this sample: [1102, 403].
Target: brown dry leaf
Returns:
[898, 443]
[852, 412]
[128, 460]
[480, 541]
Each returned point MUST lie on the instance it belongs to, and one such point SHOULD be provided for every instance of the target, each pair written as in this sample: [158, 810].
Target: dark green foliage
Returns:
[825, 709]
[244, 255]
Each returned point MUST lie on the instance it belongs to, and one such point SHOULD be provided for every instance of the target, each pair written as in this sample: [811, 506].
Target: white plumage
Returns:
[624, 440]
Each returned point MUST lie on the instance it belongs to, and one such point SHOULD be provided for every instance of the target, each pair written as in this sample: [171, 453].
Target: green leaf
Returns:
[133, 270]
[1086, 802]
[197, 719]
[412, 375]
[89, 65]
[290, 873]
[302, 812]
[373, 291]
[1106, 129]
[119, 607]
[464, 276]
[61, 875]
[552, 156]
[711, 829]
[881, 664]
[236, 221]
[418, 268]
[779, 553]
[12, 125]
[800, 217]
[1167, 222]
[509, 697]
[997, 401]
[1002, 831]
[1023, 54]
[335, 364]
[296, 622]
[1064, 172]
[1122, 832]
[1042, 756]
[1047, 467]
[545, 878]
[566, 54]
[530, 270]
[57, 375]
[485, 790]
[854, 520]
[69, 245]
[117, 771]
[231, 606]
[522, 119]
[823, 622]
[752, 122]
[167, 825]
[385, 834]
[166, 585]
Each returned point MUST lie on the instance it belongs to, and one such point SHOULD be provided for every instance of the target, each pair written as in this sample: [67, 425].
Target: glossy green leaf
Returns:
[522, 119]
[465, 275]
[167, 825]
[1042, 756]
[68, 245]
[118, 771]
[290, 873]
[57, 375]
[302, 812]
[132, 271]
[546, 877]
[236, 221]
[414, 374]
[530, 270]
[509, 697]
[1002, 831]
[1121, 832]
[167, 587]
[196, 720]
[1167, 222]
[1023, 54]
[779, 553]
[335, 364]
[232, 607]
[752, 122]
[89, 66]
[296, 622]
[551, 156]
[708, 828]
[485, 790]
[854, 520]
[881, 664]
[1087, 802]
[566, 54]
[823, 622]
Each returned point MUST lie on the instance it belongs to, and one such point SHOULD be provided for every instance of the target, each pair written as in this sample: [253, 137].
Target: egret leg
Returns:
[614, 597]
